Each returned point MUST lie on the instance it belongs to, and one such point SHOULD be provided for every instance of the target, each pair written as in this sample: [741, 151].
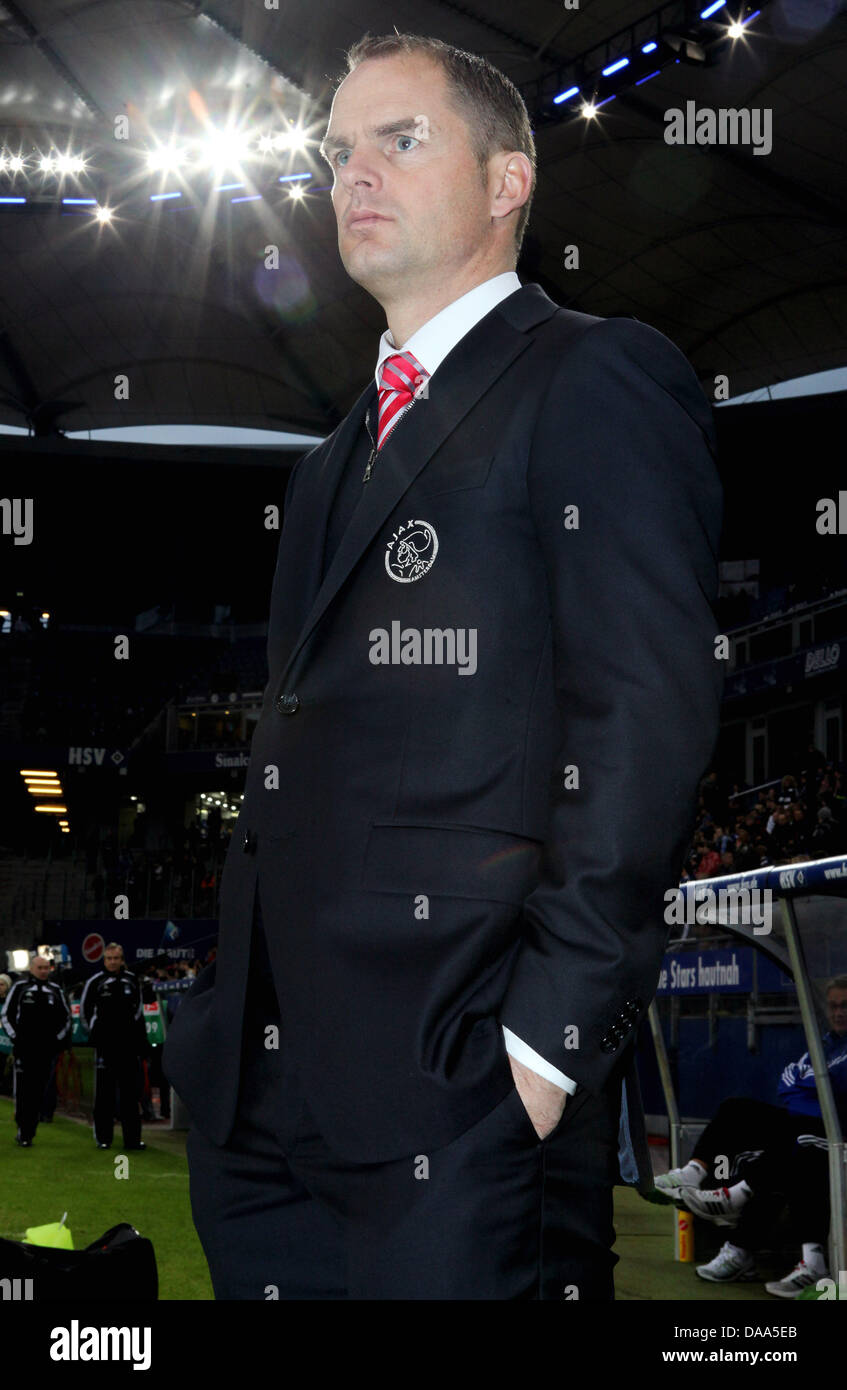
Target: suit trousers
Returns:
[495, 1214]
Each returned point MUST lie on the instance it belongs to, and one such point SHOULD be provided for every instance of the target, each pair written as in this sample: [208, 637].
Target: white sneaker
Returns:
[794, 1283]
[729, 1266]
[713, 1204]
[674, 1179]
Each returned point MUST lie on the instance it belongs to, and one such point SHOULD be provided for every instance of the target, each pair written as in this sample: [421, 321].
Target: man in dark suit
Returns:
[492, 695]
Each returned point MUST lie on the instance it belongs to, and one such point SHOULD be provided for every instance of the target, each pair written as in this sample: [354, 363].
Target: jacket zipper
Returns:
[366, 477]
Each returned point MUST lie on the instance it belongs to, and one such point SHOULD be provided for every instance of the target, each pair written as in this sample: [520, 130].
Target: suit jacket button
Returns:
[288, 704]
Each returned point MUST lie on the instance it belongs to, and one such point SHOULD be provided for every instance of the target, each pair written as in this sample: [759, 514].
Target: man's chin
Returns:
[371, 266]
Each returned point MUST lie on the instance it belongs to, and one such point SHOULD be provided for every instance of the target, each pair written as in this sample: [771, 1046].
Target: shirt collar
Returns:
[439, 335]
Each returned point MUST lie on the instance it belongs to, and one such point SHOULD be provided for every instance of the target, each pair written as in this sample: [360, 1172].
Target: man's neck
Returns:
[409, 313]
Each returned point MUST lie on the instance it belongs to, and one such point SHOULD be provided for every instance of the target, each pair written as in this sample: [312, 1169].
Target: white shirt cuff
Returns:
[522, 1053]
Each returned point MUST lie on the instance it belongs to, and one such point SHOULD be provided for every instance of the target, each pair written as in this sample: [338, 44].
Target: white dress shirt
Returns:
[430, 345]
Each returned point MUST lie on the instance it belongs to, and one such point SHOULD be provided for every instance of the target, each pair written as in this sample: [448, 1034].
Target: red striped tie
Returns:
[400, 380]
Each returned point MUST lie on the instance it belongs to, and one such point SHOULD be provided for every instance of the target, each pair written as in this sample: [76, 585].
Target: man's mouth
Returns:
[364, 218]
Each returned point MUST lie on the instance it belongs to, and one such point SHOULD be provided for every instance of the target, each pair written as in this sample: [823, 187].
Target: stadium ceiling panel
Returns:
[157, 300]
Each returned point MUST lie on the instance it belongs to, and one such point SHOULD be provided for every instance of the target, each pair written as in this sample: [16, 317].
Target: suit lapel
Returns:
[471, 369]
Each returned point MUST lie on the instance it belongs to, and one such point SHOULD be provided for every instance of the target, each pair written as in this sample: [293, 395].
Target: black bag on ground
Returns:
[120, 1266]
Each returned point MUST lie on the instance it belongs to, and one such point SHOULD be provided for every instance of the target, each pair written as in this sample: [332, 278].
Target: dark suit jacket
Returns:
[428, 870]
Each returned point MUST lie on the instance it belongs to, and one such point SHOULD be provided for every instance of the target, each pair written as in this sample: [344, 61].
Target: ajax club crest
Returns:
[411, 552]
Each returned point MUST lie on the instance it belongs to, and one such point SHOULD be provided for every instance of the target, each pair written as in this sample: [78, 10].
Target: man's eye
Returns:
[340, 155]
[407, 137]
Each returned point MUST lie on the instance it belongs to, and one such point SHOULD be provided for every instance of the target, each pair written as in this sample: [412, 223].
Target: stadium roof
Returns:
[737, 256]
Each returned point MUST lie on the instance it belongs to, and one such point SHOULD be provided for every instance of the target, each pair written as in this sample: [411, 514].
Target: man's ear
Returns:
[511, 182]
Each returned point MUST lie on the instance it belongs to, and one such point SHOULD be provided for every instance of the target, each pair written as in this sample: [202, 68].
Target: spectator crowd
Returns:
[801, 816]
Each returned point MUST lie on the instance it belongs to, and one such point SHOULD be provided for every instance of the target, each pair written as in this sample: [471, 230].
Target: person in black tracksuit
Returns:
[113, 1012]
[37, 1019]
[154, 1061]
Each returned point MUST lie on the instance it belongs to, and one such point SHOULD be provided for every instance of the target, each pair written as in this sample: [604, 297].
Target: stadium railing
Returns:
[798, 920]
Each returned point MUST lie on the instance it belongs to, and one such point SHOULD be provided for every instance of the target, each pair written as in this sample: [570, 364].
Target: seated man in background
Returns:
[783, 1153]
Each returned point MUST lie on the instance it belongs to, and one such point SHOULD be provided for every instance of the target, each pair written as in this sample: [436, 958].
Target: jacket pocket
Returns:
[452, 861]
[446, 474]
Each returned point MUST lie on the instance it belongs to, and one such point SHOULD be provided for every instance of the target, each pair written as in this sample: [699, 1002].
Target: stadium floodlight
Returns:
[47, 164]
[103, 214]
[68, 164]
[736, 29]
[225, 149]
[296, 191]
[294, 140]
[165, 159]
[16, 164]
[589, 110]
